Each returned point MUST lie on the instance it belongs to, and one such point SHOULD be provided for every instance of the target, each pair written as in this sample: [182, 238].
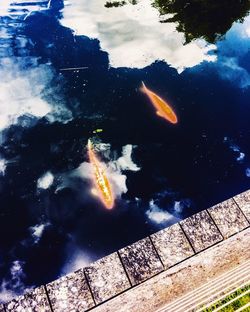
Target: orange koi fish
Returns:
[100, 179]
[163, 109]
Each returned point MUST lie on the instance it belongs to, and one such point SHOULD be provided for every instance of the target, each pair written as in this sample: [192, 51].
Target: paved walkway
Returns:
[214, 290]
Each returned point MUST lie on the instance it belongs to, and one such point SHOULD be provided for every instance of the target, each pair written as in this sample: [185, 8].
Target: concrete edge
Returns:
[115, 274]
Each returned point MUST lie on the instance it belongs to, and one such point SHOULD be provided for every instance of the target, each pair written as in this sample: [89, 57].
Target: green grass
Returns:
[237, 304]
[234, 305]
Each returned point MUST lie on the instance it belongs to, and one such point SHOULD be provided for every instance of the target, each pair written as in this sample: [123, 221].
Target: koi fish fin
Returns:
[159, 114]
[143, 88]
[89, 144]
[94, 191]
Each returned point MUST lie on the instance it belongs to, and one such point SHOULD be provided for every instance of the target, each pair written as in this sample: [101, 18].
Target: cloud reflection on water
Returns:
[232, 51]
[133, 36]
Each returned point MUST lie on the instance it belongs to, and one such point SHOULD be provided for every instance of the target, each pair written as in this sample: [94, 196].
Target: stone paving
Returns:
[70, 293]
[34, 301]
[228, 217]
[146, 259]
[243, 200]
[155, 294]
[201, 231]
[172, 245]
[107, 278]
[141, 261]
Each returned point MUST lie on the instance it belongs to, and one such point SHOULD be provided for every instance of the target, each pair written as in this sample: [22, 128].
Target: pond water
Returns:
[72, 71]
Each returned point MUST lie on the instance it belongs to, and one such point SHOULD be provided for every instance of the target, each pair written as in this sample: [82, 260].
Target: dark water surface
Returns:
[195, 54]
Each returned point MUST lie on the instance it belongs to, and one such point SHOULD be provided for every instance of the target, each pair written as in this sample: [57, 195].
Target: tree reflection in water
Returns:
[207, 19]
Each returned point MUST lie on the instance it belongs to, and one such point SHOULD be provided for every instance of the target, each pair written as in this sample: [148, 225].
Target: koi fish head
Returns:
[174, 119]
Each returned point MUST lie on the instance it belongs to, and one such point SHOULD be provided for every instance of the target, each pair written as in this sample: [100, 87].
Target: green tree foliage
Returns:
[111, 4]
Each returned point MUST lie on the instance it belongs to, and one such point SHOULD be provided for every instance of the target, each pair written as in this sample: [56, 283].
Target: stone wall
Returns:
[127, 268]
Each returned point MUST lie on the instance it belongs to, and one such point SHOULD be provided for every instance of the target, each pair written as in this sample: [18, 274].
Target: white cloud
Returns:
[27, 6]
[232, 49]
[116, 177]
[125, 162]
[241, 157]
[45, 181]
[104, 148]
[6, 294]
[243, 29]
[113, 168]
[14, 286]
[133, 35]
[248, 172]
[4, 7]
[235, 148]
[37, 231]
[247, 31]
[3, 165]
[77, 260]
[158, 215]
[178, 207]
[118, 182]
[25, 91]
[21, 95]
[16, 271]
[231, 70]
